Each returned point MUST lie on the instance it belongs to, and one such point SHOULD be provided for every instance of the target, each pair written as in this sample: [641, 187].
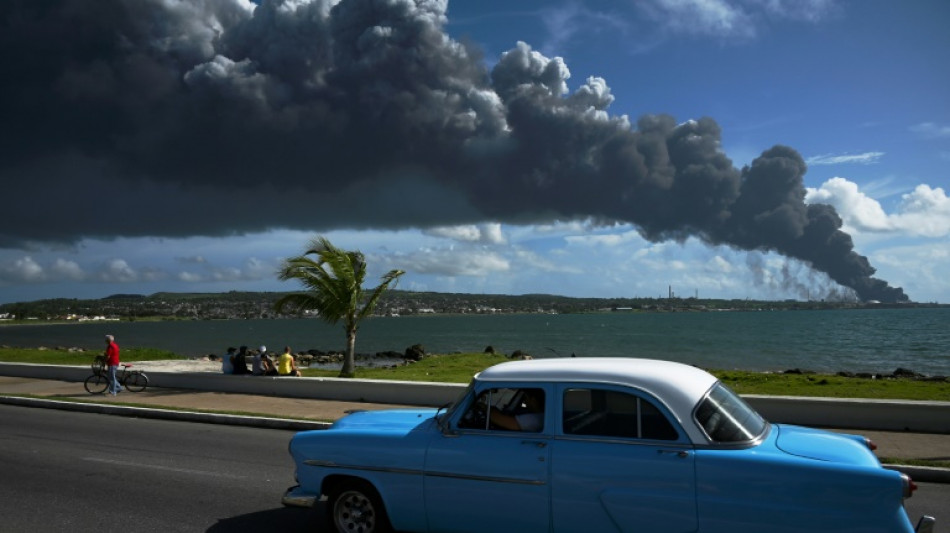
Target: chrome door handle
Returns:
[538, 443]
[682, 454]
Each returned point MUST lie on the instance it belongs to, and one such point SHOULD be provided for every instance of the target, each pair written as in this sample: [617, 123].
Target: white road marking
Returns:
[160, 467]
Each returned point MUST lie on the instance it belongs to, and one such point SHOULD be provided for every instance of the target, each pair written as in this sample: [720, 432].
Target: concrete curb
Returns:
[166, 414]
[855, 413]
[923, 474]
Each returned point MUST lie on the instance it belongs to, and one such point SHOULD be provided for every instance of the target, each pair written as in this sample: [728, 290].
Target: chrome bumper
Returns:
[925, 524]
[296, 497]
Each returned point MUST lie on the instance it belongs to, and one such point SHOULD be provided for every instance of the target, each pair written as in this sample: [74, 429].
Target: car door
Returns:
[487, 479]
[620, 463]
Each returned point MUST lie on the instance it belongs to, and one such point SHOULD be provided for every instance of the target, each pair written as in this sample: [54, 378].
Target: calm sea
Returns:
[878, 340]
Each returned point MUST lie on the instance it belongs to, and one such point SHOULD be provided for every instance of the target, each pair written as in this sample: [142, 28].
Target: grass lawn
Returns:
[834, 386]
[459, 368]
[64, 357]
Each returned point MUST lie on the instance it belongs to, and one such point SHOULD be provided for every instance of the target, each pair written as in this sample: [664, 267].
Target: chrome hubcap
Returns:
[353, 511]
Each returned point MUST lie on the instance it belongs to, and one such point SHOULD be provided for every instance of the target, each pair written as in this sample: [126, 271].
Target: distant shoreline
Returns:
[782, 306]
[871, 341]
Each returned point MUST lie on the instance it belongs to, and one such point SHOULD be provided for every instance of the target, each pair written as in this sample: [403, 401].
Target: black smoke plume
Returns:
[210, 117]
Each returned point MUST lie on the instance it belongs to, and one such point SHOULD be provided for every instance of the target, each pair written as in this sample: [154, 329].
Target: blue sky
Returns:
[858, 89]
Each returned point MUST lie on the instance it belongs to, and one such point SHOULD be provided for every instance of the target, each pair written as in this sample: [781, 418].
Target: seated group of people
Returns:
[236, 362]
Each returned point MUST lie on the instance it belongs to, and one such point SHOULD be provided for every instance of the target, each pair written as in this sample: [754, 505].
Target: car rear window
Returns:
[726, 418]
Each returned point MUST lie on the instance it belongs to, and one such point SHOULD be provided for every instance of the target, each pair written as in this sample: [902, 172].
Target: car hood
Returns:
[824, 445]
[386, 421]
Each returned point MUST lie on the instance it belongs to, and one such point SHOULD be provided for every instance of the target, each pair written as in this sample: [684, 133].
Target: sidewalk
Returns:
[184, 399]
[899, 445]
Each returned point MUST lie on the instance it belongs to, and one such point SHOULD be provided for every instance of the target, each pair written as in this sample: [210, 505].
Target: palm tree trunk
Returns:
[349, 360]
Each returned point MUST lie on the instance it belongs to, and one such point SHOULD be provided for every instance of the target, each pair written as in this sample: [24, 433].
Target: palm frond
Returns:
[389, 280]
[333, 280]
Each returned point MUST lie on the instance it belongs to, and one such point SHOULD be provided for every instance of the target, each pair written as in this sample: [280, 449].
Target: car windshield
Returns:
[727, 419]
[447, 414]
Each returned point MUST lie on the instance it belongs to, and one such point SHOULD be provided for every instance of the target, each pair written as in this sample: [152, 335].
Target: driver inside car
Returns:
[529, 418]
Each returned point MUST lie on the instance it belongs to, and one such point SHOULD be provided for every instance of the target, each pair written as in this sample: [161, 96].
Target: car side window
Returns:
[506, 409]
[608, 413]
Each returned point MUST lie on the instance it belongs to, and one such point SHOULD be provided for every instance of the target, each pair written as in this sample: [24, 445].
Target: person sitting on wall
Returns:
[240, 361]
[287, 365]
[227, 362]
[268, 366]
[256, 362]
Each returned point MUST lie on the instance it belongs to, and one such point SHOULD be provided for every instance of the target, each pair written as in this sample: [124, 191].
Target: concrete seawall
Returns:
[883, 415]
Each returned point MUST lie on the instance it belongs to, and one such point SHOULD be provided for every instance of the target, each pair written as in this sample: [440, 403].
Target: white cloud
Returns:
[718, 265]
[117, 271]
[702, 17]
[255, 268]
[867, 158]
[450, 262]
[577, 258]
[22, 270]
[482, 233]
[192, 259]
[223, 274]
[856, 209]
[252, 269]
[931, 130]
[623, 238]
[152, 274]
[924, 212]
[808, 10]
[919, 269]
[566, 21]
[528, 261]
[190, 277]
[731, 18]
[63, 269]
[26, 269]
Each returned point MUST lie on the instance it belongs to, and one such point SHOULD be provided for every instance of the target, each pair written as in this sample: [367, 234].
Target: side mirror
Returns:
[443, 421]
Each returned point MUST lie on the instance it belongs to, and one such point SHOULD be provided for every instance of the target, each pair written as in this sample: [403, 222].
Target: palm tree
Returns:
[334, 282]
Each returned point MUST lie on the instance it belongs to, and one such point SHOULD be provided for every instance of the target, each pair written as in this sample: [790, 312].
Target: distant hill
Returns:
[242, 305]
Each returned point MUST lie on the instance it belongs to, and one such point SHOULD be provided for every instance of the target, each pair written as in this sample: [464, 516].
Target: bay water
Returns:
[866, 340]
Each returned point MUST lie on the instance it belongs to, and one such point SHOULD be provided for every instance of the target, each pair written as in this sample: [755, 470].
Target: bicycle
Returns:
[98, 382]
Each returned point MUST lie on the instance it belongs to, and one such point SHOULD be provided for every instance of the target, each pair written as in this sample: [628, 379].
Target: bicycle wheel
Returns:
[96, 383]
[135, 382]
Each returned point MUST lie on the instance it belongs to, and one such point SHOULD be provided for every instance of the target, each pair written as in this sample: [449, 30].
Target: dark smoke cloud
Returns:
[213, 117]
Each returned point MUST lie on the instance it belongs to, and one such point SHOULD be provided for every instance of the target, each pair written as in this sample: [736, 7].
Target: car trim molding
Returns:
[387, 469]
[627, 441]
[417, 472]
[492, 479]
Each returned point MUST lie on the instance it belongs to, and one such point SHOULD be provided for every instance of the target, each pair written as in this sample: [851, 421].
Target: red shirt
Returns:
[112, 354]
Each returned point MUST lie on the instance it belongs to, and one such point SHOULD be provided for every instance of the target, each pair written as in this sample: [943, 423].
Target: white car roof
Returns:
[679, 386]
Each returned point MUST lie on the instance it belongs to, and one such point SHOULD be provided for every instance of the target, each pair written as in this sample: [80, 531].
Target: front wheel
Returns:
[355, 506]
[96, 383]
[136, 382]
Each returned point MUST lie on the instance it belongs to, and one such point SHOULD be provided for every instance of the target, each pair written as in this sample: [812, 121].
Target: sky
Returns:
[750, 149]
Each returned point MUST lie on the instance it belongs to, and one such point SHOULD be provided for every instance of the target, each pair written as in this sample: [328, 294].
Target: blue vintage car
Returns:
[594, 444]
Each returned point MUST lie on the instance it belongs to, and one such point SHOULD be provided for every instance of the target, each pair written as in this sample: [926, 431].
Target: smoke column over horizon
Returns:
[359, 114]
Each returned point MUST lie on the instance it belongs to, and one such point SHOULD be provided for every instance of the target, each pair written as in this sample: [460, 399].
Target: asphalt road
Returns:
[66, 471]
